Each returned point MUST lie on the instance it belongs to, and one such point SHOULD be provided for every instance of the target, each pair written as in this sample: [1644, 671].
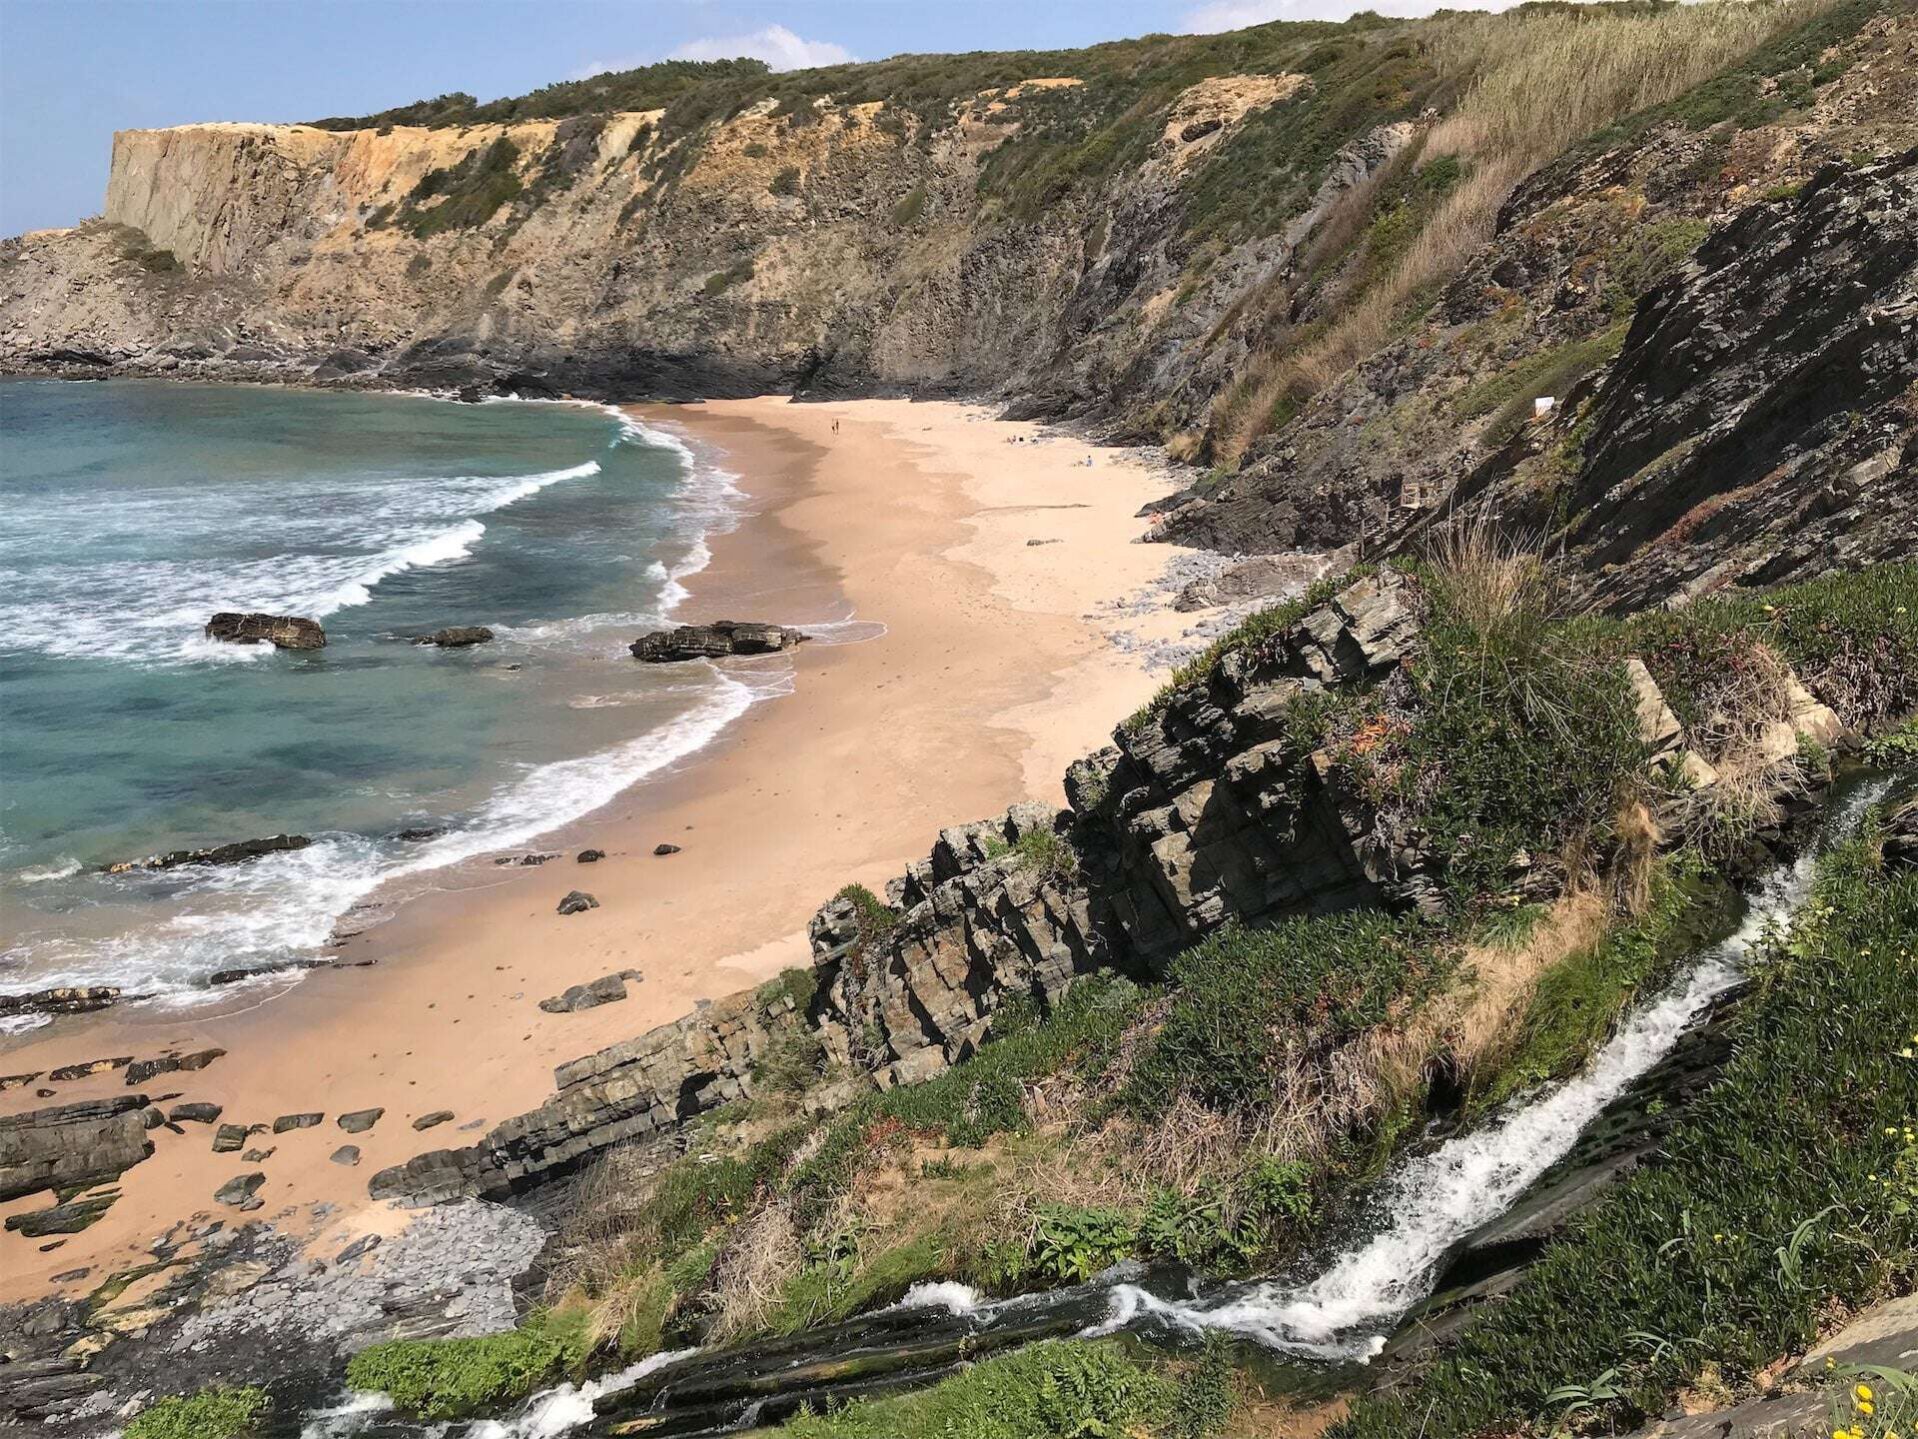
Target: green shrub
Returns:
[470, 192]
[911, 207]
[1245, 998]
[218, 1413]
[1648, 255]
[1042, 852]
[721, 281]
[1052, 1389]
[1784, 1196]
[1853, 637]
[453, 1378]
[1519, 738]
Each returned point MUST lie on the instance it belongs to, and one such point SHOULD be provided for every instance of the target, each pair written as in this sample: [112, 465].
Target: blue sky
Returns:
[74, 71]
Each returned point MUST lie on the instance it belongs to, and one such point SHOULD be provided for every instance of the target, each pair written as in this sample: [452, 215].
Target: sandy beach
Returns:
[997, 562]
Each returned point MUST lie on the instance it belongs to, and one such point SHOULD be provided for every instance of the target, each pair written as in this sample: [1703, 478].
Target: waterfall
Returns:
[1438, 1199]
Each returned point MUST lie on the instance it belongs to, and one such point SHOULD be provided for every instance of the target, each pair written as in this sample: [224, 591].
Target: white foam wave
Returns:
[62, 868]
[285, 905]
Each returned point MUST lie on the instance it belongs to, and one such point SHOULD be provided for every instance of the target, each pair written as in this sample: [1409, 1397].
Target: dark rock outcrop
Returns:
[288, 1122]
[286, 632]
[358, 1121]
[68, 1218]
[660, 851]
[235, 853]
[67, 1000]
[714, 641]
[577, 901]
[194, 1113]
[456, 637]
[141, 1070]
[590, 856]
[72, 1146]
[429, 1121]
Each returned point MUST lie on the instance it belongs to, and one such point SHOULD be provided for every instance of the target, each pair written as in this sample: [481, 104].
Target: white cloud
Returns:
[775, 44]
[1216, 15]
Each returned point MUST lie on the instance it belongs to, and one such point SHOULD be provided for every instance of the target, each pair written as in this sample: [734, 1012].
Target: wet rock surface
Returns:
[82, 999]
[286, 632]
[714, 641]
[235, 853]
[457, 637]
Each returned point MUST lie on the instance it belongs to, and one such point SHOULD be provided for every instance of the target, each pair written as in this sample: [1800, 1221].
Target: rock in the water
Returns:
[219, 854]
[457, 637]
[194, 1113]
[297, 1121]
[530, 860]
[438, 1116]
[418, 835]
[608, 989]
[714, 641]
[287, 632]
[239, 1191]
[577, 901]
[65, 1000]
[591, 856]
[359, 1120]
[665, 849]
[347, 1154]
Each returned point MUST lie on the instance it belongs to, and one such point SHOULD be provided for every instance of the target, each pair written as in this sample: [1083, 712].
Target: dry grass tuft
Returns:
[761, 1257]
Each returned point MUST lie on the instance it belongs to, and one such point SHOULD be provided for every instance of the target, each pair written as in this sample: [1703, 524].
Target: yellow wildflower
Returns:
[1863, 1391]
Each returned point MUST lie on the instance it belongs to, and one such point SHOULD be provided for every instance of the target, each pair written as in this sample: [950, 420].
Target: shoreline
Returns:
[918, 515]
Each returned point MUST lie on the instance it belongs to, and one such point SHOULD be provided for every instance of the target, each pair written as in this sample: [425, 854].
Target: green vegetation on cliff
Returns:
[1788, 1190]
[218, 1413]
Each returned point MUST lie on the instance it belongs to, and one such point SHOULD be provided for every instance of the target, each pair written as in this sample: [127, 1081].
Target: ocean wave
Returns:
[285, 906]
[62, 868]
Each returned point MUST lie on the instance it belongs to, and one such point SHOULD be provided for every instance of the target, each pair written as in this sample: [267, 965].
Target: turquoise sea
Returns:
[131, 511]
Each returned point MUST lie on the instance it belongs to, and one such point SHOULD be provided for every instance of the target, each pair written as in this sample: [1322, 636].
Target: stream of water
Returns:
[1419, 1217]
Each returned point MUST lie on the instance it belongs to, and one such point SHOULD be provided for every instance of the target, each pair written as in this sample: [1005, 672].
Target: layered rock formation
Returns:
[72, 1146]
[1204, 811]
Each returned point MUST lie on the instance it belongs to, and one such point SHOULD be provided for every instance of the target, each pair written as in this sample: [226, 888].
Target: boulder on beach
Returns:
[577, 901]
[715, 641]
[607, 989]
[360, 1120]
[239, 1191]
[235, 853]
[456, 637]
[662, 850]
[591, 856]
[286, 632]
[429, 1121]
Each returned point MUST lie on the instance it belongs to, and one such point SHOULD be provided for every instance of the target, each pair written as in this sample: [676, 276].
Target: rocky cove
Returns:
[1201, 817]
[1523, 902]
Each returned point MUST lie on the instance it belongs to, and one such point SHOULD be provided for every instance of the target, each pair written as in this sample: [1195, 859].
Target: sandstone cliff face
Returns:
[849, 246]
